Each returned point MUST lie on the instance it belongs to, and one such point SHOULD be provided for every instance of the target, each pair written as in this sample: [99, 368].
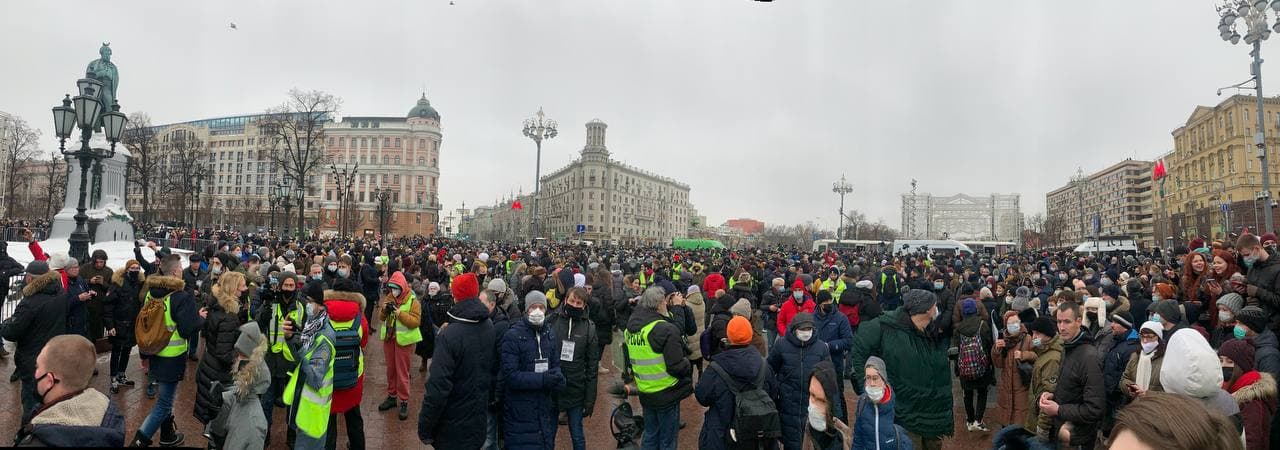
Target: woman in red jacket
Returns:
[345, 304]
[1254, 391]
[799, 301]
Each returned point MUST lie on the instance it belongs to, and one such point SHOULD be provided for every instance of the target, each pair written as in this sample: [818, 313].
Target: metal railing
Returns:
[14, 234]
[13, 297]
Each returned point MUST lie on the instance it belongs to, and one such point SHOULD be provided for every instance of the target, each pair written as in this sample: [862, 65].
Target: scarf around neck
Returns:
[312, 327]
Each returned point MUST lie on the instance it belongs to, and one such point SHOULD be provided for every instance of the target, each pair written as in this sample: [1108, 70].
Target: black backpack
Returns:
[347, 355]
[755, 416]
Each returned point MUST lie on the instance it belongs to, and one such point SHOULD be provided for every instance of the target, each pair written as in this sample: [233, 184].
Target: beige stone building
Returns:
[1119, 197]
[613, 202]
[1214, 163]
[398, 154]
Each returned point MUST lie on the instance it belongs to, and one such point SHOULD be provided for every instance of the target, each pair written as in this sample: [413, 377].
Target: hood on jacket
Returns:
[117, 277]
[254, 377]
[160, 286]
[43, 284]
[712, 283]
[398, 279]
[1266, 338]
[1197, 372]
[343, 305]
[89, 419]
[694, 299]
[1263, 389]
[470, 311]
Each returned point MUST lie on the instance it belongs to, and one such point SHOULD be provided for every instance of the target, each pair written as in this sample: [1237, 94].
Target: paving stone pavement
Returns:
[383, 430]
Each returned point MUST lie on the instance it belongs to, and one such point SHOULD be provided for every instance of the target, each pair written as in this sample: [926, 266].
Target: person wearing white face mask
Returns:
[874, 425]
[531, 357]
[913, 348]
[1142, 374]
[313, 344]
[1228, 307]
[1011, 389]
[792, 359]
[799, 301]
[825, 430]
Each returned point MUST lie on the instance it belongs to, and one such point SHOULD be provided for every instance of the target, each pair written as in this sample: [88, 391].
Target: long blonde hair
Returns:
[227, 291]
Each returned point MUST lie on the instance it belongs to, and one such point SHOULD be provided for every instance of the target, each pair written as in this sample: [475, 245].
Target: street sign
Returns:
[581, 228]
[1224, 208]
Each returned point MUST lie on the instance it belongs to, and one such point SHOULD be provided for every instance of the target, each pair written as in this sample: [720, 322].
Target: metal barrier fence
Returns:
[14, 234]
[13, 297]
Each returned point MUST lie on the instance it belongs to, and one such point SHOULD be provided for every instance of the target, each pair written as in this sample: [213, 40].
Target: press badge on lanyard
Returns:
[540, 365]
[566, 346]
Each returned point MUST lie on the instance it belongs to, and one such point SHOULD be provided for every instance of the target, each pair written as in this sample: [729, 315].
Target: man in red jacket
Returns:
[800, 301]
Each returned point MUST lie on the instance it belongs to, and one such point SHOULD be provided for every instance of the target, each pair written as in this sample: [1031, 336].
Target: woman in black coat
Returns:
[119, 311]
[221, 329]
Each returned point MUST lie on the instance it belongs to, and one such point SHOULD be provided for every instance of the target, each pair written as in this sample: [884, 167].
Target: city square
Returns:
[464, 224]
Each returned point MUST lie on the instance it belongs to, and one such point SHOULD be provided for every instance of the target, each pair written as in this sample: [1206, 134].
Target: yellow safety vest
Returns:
[835, 288]
[177, 345]
[645, 282]
[649, 367]
[276, 334]
[313, 412]
[404, 335]
[675, 271]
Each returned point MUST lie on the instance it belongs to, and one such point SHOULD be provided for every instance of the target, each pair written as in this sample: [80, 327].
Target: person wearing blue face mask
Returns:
[1263, 271]
[1251, 326]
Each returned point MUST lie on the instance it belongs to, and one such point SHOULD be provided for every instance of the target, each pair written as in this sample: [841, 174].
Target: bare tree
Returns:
[20, 142]
[188, 165]
[1052, 229]
[56, 172]
[293, 138]
[143, 169]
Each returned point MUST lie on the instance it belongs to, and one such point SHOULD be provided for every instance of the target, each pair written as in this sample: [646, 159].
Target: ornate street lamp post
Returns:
[383, 196]
[538, 128]
[1254, 14]
[344, 179]
[86, 113]
[843, 188]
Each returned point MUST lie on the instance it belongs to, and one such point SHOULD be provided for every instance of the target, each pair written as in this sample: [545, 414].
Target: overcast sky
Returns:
[759, 107]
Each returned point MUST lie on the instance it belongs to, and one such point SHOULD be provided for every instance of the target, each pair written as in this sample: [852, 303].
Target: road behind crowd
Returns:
[382, 429]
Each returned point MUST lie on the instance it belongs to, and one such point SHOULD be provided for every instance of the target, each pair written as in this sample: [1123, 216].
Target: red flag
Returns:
[516, 205]
[1158, 171]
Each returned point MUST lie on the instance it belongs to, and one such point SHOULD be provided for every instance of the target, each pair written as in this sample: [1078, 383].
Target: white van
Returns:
[910, 246]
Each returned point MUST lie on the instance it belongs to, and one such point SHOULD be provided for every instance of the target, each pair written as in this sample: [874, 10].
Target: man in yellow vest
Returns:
[310, 388]
[399, 333]
[656, 360]
[279, 305]
[168, 366]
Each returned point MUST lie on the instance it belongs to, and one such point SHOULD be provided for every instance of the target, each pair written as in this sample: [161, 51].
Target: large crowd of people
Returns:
[1144, 350]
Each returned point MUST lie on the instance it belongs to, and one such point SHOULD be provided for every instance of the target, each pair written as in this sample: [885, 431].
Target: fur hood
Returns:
[117, 278]
[356, 297]
[38, 284]
[254, 377]
[227, 301]
[163, 282]
[1263, 389]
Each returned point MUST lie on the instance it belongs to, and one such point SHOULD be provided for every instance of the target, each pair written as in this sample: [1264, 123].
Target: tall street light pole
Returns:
[86, 114]
[538, 128]
[843, 188]
[383, 196]
[1254, 15]
[344, 179]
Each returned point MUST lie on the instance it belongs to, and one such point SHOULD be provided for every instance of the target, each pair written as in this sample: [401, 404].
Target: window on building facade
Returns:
[386, 142]
[384, 178]
[395, 179]
[397, 142]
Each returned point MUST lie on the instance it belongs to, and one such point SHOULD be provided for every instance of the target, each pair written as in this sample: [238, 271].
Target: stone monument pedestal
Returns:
[110, 213]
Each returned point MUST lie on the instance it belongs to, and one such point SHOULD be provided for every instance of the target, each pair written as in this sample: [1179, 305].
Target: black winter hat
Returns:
[1254, 318]
[1027, 316]
[1045, 326]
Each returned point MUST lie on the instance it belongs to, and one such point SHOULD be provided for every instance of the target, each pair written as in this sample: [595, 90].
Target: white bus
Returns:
[822, 245]
[1108, 245]
[930, 246]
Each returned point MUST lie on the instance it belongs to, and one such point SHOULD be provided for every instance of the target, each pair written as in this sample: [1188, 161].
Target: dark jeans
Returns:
[355, 430]
[120, 358]
[973, 411]
[268, 404]
[661, 428]
[29, 399]
[575, 428]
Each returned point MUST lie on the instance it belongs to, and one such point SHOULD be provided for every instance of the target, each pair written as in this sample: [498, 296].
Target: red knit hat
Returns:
[797, 285]
[465, 287]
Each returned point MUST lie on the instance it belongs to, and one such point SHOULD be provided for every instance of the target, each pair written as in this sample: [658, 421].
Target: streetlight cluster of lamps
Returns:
[1255, 17]
[344, 179]
[286, 195]
[538, 128]
[86, 111]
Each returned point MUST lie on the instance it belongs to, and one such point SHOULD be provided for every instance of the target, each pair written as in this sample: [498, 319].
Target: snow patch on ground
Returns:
[118, 252]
